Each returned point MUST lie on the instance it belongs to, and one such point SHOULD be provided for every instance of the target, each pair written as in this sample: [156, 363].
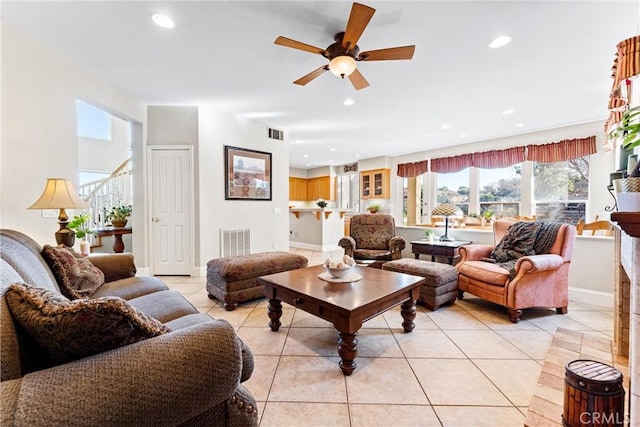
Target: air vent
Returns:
[276, 134]
[235, 242]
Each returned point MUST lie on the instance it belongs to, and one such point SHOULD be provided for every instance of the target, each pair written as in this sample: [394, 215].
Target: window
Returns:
[417, 198]
[454, 188]
[561, 189]
[500, 191]
[93, 122]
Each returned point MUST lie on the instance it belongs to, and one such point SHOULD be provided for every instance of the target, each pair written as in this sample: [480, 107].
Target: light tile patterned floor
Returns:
[464, 365]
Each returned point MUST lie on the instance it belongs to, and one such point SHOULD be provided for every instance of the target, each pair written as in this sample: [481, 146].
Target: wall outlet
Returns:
[50, 213]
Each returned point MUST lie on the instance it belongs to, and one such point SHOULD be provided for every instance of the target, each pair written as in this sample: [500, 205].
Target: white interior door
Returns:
[171, 211]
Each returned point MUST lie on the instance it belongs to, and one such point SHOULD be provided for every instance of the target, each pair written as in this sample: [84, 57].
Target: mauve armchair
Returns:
[539, 280]
[372, 237]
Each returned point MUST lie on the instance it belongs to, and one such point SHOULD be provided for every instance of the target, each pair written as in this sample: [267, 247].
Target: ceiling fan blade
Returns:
[357, 80]
[403, 52]
[358, 20]
[283, 41]
[312, 75]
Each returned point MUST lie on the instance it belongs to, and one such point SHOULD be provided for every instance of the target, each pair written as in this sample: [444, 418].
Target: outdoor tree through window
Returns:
[561, 189]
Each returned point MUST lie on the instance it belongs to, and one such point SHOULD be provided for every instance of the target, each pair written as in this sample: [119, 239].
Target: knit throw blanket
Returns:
[523, 239]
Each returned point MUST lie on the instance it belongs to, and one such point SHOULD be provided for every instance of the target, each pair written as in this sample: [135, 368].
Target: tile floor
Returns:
[463, 365]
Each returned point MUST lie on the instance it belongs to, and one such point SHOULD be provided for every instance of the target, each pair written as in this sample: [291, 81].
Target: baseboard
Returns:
[199, 272]
[586, 296]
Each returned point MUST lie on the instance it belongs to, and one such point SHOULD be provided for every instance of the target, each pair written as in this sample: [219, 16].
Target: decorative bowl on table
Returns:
[341, 268]
[339, 272]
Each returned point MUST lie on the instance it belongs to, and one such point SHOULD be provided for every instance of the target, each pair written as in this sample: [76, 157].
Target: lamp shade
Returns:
[447, 209]
[59, 194]
[342, 65]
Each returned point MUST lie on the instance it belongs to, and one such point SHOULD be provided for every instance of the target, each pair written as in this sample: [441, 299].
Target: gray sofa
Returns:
[189, 376]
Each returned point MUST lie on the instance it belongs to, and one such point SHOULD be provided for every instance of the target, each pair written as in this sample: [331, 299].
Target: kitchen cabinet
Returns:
[321, 187]
[297, 189]
[374, 184]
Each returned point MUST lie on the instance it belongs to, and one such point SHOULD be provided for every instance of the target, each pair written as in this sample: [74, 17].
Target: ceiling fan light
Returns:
[342, 65]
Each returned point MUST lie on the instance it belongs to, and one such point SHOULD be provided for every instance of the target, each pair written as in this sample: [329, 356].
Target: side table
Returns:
[436, 248]
[116, 232]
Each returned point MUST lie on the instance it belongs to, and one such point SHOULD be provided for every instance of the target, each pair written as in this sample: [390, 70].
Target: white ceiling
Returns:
[555, 72]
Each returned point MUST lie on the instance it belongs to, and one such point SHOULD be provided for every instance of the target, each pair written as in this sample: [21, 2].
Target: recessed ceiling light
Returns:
[305, 156]
[331, 161]
[357, 155]
[332, 149]
[348, 102]
[162, 20]
[519, 124]
[308, 164]
[507, 112]
[499, 42]
[445, 126]
[464, 135]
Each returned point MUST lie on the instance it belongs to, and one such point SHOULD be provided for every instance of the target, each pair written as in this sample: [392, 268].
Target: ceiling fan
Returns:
[345, 52]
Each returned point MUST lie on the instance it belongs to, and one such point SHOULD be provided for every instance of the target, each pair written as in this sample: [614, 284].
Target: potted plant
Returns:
[321, 203]
[487, 216]
[374, 208]
[628, 189]
[80, 226]
[118, 215]
[428, 234]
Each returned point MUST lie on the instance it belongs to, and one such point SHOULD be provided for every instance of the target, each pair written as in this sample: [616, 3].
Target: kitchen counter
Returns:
[316, 229]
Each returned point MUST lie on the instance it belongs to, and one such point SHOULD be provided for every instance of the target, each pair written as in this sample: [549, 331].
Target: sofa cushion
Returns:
[68, 330]
[131, 287]
[77, 277]
[485, 272]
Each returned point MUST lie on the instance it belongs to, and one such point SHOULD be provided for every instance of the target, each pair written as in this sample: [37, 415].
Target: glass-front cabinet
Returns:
[375, 184]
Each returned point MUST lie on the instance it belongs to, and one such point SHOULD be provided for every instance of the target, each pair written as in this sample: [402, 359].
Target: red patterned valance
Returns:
[451, 164]
[567, 149]
[625, 66]
[627, 62]
[498, 158]
[410, 170]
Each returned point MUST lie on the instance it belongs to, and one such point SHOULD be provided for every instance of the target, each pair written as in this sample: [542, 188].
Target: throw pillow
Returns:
[68, 330]
[76, 276]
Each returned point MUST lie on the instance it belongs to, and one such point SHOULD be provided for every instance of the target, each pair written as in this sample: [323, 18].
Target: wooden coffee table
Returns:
[346, 305]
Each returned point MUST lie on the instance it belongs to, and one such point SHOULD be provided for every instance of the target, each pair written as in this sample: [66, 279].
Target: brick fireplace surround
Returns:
[626, 320]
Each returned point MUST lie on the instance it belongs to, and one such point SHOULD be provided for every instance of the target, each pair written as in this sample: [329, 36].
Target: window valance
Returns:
[498, 158]
[567, 149]
[625, 65]
[451, 164]
[410, 170]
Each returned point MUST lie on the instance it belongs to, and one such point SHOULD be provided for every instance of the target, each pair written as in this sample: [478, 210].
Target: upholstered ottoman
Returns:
[233, 280]
[441, 286]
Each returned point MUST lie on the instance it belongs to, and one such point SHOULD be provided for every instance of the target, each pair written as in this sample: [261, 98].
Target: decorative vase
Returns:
[85, 248]
[118, 223]
[628, 194]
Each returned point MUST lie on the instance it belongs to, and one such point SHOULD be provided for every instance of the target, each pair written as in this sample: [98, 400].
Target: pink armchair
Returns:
[372, 237]
[539, 280]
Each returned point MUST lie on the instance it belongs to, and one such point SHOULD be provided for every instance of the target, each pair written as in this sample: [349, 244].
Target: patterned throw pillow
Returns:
[76, 276]
[68, 330]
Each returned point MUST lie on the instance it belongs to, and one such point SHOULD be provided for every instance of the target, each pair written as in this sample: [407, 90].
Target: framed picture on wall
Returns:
[247, 174]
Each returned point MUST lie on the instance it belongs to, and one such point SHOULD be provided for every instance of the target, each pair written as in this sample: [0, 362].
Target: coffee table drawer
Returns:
[299, 301]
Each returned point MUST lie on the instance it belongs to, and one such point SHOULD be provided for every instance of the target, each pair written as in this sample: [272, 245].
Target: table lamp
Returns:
[446, 210]
[60, 194]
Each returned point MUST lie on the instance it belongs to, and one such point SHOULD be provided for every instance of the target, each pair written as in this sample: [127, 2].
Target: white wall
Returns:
[98, 155]
[268, 220]
[39, 132]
